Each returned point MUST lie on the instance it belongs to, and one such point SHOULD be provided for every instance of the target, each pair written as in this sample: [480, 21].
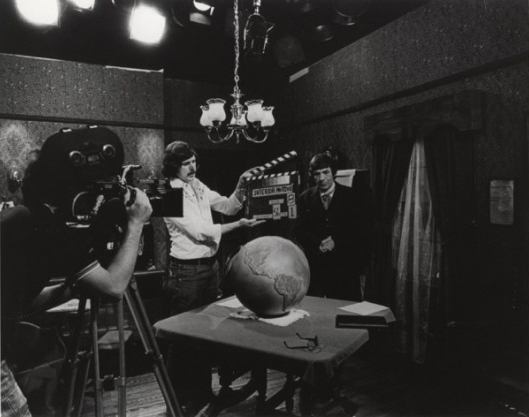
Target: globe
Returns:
[270, 275]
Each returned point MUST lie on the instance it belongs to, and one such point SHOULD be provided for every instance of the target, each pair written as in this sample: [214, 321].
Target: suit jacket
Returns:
[346, 220]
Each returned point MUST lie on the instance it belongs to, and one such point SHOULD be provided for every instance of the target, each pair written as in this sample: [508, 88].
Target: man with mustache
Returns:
[194, 270]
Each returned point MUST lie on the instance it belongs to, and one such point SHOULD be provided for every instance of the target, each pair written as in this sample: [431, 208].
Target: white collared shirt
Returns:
[195, 235]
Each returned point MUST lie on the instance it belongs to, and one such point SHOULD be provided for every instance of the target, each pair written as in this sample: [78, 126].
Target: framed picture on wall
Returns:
[501, 200]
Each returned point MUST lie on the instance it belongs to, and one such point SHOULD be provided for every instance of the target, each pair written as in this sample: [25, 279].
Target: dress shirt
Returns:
[195, 235]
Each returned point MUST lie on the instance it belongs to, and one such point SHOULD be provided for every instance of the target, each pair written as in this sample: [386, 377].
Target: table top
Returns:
[212, 327]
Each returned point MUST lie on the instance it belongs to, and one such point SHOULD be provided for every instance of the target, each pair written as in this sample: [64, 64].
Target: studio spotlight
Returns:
[83, 4]
[39, 12]
[147, 24]
[202, 7]
[202, 13]
[256, 32]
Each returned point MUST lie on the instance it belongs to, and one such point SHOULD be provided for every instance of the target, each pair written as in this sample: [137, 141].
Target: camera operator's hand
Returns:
[113, 279]
[140, 210]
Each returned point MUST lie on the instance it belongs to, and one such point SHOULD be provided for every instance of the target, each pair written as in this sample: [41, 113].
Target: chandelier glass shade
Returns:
[252, 120]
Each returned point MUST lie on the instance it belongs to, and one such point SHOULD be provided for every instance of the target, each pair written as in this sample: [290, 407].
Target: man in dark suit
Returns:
[333, 229]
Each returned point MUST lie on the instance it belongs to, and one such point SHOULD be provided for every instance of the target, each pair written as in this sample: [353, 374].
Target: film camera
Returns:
[88, 163]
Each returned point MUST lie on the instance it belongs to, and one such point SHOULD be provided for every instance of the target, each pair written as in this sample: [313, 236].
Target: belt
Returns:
[196, 261]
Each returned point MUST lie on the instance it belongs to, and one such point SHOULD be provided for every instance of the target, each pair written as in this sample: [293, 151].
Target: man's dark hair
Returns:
[41, 185]
[176, 153]
[320, 161]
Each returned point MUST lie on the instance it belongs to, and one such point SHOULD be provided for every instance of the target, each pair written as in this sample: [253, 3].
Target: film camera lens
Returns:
[81, 158]
[108, 151]
[77, 158]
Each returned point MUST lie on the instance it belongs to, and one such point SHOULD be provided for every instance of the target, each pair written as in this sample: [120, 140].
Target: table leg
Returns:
[284, 395]
[290, 390]
[317, 401]
[259, 375]
[228, 396]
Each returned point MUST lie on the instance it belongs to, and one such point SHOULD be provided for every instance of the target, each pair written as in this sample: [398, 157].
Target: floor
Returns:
[375, 384]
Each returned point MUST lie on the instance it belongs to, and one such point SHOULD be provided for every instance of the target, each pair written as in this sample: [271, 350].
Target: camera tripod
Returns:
[75, 397]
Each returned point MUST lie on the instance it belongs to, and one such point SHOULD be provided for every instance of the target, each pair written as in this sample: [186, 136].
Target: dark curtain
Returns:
[450, 166]
[391, 160]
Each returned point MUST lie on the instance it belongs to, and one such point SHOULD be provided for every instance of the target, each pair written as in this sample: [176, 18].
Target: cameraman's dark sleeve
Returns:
[80, 258]
[65, 250]
[16, 260]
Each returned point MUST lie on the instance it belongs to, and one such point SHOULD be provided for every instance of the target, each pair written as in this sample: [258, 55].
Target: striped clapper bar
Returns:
[273, 196]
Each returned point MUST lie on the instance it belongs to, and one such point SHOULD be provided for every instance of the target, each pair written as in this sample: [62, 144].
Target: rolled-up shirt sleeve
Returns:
[225, 205]
[195, 235]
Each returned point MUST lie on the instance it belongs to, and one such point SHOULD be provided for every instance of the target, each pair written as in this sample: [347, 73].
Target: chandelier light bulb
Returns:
[268, 118]
[204, 119]
[255, 111]
[216, 110]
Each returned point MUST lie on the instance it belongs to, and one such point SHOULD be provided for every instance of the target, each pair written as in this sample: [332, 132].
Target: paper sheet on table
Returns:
[290, 318]
[72, 305]
[231, 303]
[293, 316]
[245, 314]
[363, 308]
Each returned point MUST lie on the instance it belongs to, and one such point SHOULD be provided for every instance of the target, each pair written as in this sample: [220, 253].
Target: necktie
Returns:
[326, 200]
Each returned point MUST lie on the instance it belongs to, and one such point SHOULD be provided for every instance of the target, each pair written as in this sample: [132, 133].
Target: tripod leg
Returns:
[152, 350]
[79, 407]
[73, 356]
[98, 383]
[122, 388]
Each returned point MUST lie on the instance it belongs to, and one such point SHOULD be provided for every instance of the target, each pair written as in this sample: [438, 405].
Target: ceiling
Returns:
[199, 47]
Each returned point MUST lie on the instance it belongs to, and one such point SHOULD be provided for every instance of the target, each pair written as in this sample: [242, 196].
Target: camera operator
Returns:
[37, 244]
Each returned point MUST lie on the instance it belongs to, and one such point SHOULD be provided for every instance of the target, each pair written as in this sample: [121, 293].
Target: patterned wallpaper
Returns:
[346, 132]
[19, 138]
[184, 98]
[46, 89]
[429, 45]
[49, 88]
[40, 88]
[330, 84]
[437, 40]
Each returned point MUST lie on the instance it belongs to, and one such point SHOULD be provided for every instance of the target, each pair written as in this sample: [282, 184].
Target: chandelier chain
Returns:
[236, 40]
[252, 122]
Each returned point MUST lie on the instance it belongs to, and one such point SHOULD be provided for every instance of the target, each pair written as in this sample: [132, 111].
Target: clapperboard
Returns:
[272, 196]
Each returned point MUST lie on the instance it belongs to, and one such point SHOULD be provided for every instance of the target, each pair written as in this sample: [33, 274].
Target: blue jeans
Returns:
[191, 286]
[188, 287]
[14, 404]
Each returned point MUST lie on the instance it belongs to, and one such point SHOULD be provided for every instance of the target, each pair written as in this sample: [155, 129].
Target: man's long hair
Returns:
[176, 153]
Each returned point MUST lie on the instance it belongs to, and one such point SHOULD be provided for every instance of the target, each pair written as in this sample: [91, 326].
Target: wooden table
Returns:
[262, 345]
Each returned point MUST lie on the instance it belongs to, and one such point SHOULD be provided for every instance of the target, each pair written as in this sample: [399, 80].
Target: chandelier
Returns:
[254, 121]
